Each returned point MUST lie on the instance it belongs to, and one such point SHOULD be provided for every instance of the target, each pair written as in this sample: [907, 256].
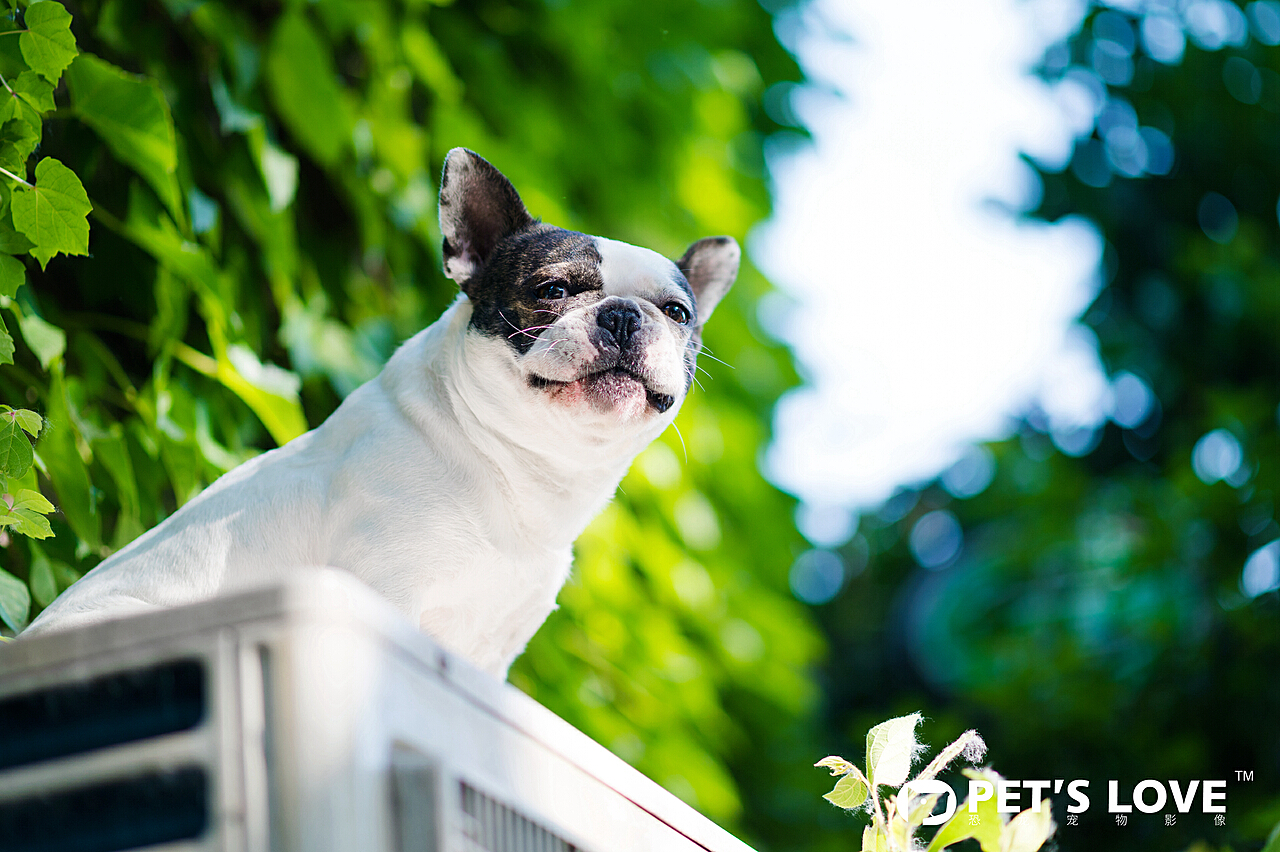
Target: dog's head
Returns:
[590, 323]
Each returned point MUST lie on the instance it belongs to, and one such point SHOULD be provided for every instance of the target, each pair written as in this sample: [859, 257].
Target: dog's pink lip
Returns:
[657, 400]
[544, 381]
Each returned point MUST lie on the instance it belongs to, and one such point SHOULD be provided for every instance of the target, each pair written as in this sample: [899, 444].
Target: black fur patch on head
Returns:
[504, 295]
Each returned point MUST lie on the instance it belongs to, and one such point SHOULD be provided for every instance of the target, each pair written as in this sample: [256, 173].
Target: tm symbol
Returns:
[1244, 774]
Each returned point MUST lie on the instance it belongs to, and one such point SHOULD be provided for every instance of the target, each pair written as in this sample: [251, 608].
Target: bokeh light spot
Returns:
[1163, 38]
[971, 475]
[936, 539]
[1133, 400]
[825, 525]
[1216, 456]
[1264, 15]
[1261, 572]
[816, 577]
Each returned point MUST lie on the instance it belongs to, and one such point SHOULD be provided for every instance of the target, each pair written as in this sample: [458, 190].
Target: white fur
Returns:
[447, 483]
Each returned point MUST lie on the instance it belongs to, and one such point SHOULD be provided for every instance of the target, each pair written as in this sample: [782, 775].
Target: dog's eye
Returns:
[677, 312]
[553, 290]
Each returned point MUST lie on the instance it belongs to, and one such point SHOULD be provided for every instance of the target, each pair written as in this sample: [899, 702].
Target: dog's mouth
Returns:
[612, 387]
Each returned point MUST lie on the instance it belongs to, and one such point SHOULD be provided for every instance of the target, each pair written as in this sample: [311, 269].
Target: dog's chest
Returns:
[488, 608]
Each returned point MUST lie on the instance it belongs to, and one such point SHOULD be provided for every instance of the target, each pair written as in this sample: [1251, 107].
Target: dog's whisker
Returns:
[528, 331]
[714, 358]
[683, 448]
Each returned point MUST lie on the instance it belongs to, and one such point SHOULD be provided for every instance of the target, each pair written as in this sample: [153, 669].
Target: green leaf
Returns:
[66, 468]
[25, 512]
[837, 764]
[305, 89]
[35, 90]
[12, 274]
[30, 422]
[15, 601]
[20, 128]
[1029, 830]
[33, 500]
[429, 63]
[15, 448]
[1273, 839]
[130, 114]
[6, 344]
[891, 747]
[40, 578]
[46, 340]
[26, 521]
[54, 213]
[28, 134]
[988, 826]
[850, 792]
[270, 391]
[11, 242]
[48, 45]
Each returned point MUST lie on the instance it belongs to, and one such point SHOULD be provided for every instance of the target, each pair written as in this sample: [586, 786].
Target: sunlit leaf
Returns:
[53, 214]
[891, 747]
[36, 91]
[1029, 830]
[48, 45]
[850, 792]
[131, 115]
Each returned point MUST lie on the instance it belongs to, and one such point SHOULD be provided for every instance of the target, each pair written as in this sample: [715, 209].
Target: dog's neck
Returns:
[555, 472]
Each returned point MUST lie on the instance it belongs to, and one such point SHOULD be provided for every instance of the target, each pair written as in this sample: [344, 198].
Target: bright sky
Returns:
[924, 317]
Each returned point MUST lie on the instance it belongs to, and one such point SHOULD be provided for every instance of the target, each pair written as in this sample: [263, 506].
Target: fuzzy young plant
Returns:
[891, 750]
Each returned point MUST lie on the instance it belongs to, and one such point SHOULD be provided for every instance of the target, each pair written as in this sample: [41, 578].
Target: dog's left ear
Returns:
[710, 265]
[478, 207]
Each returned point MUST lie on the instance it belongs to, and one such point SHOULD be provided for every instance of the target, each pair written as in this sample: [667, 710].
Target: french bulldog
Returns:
[456, 481]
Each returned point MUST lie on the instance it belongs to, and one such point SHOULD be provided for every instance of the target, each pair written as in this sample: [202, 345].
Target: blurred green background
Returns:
[1091, 619]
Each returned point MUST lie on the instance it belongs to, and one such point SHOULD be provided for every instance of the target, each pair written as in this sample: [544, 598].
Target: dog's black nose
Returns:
[621, 319]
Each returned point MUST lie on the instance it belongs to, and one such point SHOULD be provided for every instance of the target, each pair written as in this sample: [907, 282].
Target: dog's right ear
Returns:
[478, 207]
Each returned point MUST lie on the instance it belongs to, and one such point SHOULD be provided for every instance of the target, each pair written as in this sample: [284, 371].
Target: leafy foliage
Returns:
[262, 183]
[891, 750]
[1100, 621]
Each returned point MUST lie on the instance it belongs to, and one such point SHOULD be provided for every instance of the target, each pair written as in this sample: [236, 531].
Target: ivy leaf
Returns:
[130, 114]
[15, 449]
[11, 242]
[17, 140]
[35, 91]
[48, 45]
[15, 600]
[891, 746]
[54, 213]
[850, 792]
[6, 345]
[12, 274]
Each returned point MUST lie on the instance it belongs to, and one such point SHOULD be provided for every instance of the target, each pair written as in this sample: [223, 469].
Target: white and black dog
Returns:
[456, 482]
